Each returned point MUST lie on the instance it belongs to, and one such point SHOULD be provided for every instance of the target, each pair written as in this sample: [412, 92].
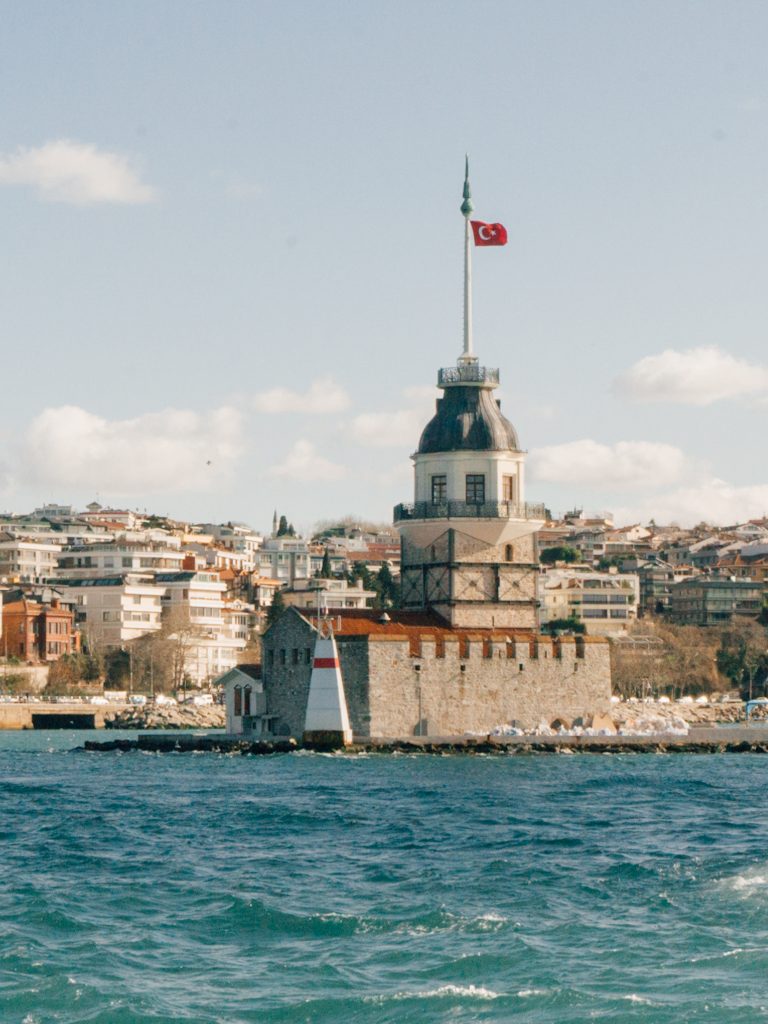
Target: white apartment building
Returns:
[195, 600]
[604, 602]
[113, 610]
[26, 561]
[97, 560]
[238, 539]
[332, 593]
[221, 558]
[97, 513]
[287, 559]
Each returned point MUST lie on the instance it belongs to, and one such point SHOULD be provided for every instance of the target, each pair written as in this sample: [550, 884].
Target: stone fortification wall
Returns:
[396, 686]
[443, 690]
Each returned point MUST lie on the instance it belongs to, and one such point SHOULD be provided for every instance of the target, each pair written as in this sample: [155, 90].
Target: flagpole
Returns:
[467, 207]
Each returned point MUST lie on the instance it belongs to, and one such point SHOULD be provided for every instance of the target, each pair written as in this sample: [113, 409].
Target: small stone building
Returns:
[408, 673]
[244, 701]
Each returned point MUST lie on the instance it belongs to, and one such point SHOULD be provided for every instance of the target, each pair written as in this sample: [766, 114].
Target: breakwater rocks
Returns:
[699, 741]
[168, 716]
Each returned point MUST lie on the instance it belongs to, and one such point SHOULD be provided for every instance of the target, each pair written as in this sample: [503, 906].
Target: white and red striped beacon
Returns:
[327, 720]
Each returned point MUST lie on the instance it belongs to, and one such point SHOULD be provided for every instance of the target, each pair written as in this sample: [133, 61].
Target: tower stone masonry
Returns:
[468, 539]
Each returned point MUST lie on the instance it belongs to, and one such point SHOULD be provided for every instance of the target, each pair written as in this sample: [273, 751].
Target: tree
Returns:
[569, 625]
[325, 569]
[387, 588]
[360, 571]
[743, 656]
[282, 528]
[660, 658]
[276, 609]
[561, 553]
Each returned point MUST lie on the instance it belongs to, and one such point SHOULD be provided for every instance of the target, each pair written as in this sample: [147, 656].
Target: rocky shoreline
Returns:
[168, 716]
[701, 741]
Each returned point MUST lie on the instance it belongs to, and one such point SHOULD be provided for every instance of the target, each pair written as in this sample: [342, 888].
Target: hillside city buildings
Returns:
[119, 578]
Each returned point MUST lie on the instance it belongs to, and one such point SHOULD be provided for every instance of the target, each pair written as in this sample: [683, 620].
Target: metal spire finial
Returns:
[467, 206]
[467, 354]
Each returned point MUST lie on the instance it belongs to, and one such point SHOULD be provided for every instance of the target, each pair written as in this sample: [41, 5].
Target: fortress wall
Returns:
[522, 682]
[394, 683]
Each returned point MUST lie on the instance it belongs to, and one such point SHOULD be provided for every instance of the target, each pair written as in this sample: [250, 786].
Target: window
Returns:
[247, 701]
[308, 656]
[475, 488]
[508, 488]
[439, 489]
[238, 702]
[509, 553]
[295, 655]
[282, 655]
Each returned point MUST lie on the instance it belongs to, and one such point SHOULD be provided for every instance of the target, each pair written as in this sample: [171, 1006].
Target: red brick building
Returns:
[33, 631]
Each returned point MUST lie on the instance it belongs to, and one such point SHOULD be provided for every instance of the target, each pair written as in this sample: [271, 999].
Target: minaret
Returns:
[468, 540]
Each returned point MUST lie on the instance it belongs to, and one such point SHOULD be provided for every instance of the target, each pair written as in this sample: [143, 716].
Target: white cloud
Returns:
[398, 427]
[170, 451]
[626, 463]
[75, 172]
[697, 376]
[388, 429]
[713, 501]
[324, 395]
[304, 463]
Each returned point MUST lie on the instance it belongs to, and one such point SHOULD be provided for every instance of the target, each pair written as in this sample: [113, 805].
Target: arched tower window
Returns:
[238, 701]
[509, 553]
[247, 701]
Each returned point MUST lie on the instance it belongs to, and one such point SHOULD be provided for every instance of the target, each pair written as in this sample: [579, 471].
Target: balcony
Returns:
[469, 374]
[467, 510]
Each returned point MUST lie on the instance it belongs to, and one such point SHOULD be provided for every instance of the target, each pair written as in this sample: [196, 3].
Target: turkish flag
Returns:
[489, 234]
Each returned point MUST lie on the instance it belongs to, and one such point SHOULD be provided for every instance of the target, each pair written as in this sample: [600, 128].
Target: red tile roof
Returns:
[417, 624]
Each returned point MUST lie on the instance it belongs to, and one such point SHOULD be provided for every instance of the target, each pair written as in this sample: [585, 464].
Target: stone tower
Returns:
[468, 541]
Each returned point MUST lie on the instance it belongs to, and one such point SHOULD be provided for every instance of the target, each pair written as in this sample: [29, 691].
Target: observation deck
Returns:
[469, 510]
[468, 373]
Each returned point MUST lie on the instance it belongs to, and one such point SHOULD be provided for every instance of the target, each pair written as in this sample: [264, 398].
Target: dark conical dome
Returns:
[468, 419]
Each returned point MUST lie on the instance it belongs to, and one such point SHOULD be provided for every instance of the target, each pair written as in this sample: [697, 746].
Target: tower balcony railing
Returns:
[469, 510]
[467, 374]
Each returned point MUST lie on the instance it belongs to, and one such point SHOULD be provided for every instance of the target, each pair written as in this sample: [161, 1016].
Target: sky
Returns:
[233, 250]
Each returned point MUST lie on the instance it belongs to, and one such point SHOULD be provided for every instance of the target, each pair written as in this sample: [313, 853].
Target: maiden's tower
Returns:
[469, 538]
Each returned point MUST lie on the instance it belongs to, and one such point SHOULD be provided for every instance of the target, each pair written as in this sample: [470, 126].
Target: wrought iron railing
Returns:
[469, 510]
[469, 374]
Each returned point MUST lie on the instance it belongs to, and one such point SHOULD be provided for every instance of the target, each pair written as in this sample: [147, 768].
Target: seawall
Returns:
[737, 740]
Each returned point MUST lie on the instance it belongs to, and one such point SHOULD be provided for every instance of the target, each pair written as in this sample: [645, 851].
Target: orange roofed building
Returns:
[33, 631]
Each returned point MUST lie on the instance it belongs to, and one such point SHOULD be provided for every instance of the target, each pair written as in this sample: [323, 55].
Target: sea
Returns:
[144, 888]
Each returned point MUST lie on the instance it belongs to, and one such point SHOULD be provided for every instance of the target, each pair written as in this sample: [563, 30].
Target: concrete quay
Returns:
[736, 740]
[49, 715]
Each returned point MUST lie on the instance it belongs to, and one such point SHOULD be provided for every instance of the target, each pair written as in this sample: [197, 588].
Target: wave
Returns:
[444, 991]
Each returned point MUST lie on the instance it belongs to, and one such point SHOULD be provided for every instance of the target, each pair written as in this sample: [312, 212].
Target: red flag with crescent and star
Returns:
[489, 234]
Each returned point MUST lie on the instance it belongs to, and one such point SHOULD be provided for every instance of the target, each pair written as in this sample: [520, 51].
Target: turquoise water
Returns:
[204, 888]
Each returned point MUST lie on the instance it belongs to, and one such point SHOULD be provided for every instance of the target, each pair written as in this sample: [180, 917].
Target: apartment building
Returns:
[331, 594]
[26, 561]
[112, 610]
[98, 560]
[604, 602]
[715, 600]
